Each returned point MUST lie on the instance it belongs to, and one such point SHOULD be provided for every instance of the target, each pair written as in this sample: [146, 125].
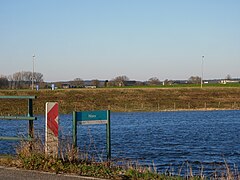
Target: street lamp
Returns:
[33, 72]
[202, 72]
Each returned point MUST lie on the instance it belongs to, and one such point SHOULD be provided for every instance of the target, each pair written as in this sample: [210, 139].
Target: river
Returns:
[168, 141]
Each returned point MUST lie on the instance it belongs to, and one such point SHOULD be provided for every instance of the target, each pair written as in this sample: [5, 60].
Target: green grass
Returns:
[184, 86]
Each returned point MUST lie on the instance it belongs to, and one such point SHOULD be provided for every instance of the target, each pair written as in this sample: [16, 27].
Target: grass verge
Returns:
[31, 156]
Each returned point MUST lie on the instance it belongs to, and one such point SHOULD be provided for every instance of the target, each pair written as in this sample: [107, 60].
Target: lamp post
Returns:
[202, 72]
[33, 72]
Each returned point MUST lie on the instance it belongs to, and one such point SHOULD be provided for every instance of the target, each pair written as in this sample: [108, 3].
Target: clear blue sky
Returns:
[102, 39]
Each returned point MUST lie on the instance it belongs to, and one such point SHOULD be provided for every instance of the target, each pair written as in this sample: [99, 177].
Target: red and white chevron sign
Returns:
[51, 136]
[52, 117]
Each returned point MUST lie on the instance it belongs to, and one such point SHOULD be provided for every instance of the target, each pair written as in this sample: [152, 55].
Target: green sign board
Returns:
[92, 117]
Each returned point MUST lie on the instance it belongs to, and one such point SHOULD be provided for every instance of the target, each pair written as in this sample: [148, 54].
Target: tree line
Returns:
[121, 81]
[21, 79]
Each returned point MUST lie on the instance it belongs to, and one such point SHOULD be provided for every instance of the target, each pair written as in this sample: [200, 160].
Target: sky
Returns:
[103, 39]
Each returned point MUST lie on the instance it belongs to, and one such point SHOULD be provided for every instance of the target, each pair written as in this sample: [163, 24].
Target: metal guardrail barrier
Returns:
[29, 117]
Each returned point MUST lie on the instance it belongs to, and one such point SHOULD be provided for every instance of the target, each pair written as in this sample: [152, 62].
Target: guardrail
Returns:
[29, 117]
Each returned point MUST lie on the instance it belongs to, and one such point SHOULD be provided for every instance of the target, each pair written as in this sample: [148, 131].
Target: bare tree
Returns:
[120, 80]
[24, 79]
[10, 82]
[17, 78]
[167, 82]
[228, 77]
[154, 81]
[3, 82]
[78, 82]
[194, 80]
[38, 77]
[95, 82]
[27, 76]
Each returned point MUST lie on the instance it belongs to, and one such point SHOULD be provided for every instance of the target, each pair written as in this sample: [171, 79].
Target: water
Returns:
[166, 139]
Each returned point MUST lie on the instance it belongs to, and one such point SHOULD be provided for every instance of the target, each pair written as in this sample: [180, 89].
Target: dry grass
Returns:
[31, 156]
[120, 100]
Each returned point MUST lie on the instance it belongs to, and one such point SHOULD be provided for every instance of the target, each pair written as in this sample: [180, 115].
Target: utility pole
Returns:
[33, 72]
[202, 72]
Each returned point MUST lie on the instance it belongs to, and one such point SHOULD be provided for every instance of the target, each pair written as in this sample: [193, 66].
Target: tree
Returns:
[24, 79]
[194, 80]
[106, 83]
[95, 82]
[10, 82]
[78, 82]
[153, 81]
[167, 82]
[228, 77]
[17, 78]
[3, 82]
[38, 77]
[120, 80]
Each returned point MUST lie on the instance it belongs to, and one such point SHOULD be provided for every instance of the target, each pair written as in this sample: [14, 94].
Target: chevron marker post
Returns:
[51, 129]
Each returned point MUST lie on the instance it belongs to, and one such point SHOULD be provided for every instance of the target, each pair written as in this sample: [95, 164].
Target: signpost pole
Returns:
[30, 114]
[108, 136]
[74, 126]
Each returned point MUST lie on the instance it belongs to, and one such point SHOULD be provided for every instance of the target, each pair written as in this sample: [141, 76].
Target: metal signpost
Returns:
[93, 117]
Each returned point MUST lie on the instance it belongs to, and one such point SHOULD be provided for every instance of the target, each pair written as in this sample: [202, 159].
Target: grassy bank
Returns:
[72, 161]
[126, 99]
[117, 99]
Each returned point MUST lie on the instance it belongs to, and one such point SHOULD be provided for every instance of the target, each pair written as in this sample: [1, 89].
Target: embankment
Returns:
[124, 99]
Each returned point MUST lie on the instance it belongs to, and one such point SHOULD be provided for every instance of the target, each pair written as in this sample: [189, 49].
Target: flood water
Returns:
[165, 140]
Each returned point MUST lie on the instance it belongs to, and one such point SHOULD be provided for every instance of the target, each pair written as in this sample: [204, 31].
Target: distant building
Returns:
[227, 81]
[91, 87]
[130, 83]
[180, 82]
[213, 81]
[66, 85]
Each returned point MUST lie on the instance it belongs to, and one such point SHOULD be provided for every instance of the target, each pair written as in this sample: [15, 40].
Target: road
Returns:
[19, 174]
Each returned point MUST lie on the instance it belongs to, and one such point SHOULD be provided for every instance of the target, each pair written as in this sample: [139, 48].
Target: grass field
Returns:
[125, 99]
